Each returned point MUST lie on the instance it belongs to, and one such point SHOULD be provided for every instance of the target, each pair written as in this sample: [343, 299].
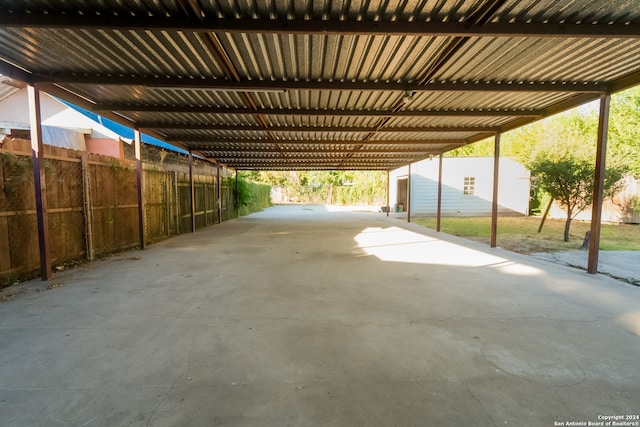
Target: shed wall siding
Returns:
[513, 196]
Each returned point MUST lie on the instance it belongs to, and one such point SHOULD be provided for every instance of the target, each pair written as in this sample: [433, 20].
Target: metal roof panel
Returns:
[106, 48]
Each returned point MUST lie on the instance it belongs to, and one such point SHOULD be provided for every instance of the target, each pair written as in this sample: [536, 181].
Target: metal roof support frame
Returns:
[210, 84]
[439, 208]
[212, 24]
[596, 211]
[39, 181]
[494, 199]
[140, 183]
[192, 194]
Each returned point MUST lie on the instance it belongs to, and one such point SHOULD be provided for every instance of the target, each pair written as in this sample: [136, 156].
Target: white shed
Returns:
[467, 187]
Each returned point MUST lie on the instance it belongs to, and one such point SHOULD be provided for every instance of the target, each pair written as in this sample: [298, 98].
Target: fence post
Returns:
[88, 207]
[177, 201]
[204, 195]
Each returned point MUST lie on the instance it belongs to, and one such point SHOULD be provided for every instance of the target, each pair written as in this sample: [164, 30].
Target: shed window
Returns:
[469, 184]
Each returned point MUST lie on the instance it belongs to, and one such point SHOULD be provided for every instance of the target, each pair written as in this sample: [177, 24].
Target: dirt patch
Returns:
[13, 293]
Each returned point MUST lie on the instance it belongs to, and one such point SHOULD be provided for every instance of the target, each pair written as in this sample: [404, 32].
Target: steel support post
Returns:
[192, 193]
[219, 184]
[409, 194]
[40, 185]
[494, 200]
[596, 212]
[439, 208]
[388, 191]
[237, 194]
[140, 183]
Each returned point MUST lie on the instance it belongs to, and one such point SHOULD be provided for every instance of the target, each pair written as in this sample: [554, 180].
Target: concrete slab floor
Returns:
[299, 316]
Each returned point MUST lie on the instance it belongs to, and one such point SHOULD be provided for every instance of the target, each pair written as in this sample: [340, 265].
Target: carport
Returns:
[322, 85]
[298, 316]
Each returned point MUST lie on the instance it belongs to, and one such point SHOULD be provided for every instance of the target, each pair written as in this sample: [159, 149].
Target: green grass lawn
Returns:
[520, 234]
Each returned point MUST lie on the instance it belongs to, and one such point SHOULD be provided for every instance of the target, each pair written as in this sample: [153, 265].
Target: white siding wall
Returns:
[513, 193]
[15, 109]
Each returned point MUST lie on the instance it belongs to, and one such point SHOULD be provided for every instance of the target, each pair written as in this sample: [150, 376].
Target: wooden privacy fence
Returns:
[168, 203]
[93, 206]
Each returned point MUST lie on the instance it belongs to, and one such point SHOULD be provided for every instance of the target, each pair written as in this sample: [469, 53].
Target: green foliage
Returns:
[624, 128]
[573, 133]
[520, 234]
[251, 196]
[570, 182]
[331, 187]
[572, 137]
[18, 171]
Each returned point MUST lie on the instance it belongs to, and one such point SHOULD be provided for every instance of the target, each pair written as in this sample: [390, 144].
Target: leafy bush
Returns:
[251, 196]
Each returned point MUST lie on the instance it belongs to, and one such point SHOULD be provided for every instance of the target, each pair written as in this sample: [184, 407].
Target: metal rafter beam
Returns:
[327, 160]
[477, 18]
[238, 128]
[88, 21]
[469, 112]
[625, 82]
[559, 107]
[227, 152]
[210, 143]
[304, 164]
[179, 83]
[14, 72]
[317, 167]
[75, 99]
[311, 156]
[335, 166]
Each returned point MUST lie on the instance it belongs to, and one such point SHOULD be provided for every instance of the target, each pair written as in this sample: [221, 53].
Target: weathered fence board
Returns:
[93, 205]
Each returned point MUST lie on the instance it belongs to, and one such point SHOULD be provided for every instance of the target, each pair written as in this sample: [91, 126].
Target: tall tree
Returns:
[624, 128]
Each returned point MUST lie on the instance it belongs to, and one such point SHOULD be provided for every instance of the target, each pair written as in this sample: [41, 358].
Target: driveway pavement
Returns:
[623, 265]
[300, 316]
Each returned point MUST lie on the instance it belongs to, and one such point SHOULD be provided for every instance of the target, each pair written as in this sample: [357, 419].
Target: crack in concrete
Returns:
[477, 399]
[176, 381]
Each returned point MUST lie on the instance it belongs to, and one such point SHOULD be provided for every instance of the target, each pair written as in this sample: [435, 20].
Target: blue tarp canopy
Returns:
[122, 130]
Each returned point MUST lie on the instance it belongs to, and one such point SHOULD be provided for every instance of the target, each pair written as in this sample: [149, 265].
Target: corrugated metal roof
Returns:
[323, 84]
